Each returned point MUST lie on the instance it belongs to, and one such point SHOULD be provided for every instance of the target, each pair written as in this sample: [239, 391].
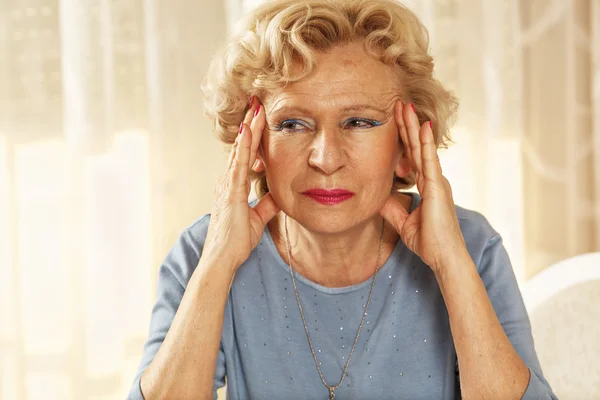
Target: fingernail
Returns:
[431, 125]
[413, 107]
[257, 110]
[251, 102]
[241, 128]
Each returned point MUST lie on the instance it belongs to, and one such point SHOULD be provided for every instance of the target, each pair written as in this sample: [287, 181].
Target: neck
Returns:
[335, 259]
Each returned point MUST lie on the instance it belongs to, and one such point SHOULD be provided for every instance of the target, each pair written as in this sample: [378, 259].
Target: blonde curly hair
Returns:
[281, 33]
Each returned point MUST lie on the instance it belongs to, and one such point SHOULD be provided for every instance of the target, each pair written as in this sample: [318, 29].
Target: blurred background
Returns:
[105, 157]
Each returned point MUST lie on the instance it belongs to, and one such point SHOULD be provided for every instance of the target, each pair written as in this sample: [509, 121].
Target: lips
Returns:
[328, 196]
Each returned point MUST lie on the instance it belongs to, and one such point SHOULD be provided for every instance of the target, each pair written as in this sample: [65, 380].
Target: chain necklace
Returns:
[362, 321]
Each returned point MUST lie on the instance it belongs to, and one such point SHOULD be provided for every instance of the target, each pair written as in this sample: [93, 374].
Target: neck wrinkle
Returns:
[344, 260]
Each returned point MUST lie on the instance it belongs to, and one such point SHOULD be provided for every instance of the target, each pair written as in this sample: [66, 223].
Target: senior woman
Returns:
[336, 284]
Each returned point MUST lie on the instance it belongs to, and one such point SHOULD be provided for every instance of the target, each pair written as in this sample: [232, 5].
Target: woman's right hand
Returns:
[235, 228]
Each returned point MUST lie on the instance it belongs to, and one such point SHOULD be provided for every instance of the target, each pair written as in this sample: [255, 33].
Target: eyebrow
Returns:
[357, 107]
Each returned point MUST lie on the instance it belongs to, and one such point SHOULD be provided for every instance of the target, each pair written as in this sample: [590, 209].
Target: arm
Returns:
[183, 354]
[488, 320]
[490, 327]
[182, 357]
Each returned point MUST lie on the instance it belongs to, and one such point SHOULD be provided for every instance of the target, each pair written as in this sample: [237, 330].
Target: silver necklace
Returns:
[362, 321]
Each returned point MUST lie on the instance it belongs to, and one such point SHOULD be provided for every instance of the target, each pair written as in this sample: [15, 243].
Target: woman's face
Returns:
[334, 129]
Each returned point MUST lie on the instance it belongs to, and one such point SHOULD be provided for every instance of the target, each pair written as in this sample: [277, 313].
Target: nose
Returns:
[327, 153]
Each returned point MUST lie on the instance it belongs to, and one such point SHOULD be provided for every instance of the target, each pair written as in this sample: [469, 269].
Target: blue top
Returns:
[405, 349]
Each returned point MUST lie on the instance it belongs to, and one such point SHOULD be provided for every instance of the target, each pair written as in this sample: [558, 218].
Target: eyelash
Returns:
[282, 126]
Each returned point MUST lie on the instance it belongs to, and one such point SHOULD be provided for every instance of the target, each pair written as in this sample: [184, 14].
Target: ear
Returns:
[258, 166]
[403, 166]
[259, 163]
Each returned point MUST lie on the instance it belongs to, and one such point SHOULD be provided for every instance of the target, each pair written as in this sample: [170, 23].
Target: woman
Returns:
[335, 283]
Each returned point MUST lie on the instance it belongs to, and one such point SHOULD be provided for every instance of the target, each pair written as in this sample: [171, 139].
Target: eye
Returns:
[360, 123]
[291, 125]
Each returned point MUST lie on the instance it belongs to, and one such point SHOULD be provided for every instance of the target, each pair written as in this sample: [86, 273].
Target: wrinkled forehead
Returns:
[340, 78]
[331, 97]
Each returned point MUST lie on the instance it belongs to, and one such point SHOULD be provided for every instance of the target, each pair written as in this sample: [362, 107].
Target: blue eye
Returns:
[295, 125]
[360, 123]
[291, 125]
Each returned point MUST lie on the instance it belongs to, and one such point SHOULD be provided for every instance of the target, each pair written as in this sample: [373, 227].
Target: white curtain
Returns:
[105, 157]
[527, 151]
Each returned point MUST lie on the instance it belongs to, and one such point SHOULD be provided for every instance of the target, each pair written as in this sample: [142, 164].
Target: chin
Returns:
[325, 225]
[320, 218]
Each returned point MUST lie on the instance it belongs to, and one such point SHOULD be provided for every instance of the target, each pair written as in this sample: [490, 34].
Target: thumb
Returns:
[394, 212]
[266, 209]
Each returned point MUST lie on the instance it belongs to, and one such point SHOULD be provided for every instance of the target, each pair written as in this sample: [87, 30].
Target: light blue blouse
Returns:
[405, 349]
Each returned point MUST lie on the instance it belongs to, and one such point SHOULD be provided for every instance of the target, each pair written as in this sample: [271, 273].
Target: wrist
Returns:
[214, 260]
[459, 259]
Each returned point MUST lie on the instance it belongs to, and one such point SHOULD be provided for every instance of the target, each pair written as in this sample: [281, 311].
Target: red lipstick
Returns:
[328, 196]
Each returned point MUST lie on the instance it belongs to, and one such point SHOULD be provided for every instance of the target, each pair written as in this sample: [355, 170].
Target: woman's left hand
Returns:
[432, 230]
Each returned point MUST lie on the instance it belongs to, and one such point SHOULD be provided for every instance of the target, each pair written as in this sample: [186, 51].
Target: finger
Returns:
[411, 121]
[242, 155]
[394, 212]
[432, 169]
[398, 115]
[259, 153]
[266, 208]
[250, 112]
[256, 127]
[247, 120]
[233, 151]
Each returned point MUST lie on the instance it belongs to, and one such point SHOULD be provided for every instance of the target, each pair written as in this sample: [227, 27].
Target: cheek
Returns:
[280, 150]
[377, 156]
[283, 157]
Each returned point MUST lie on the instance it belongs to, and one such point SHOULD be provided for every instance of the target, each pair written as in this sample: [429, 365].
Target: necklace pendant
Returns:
[331, 393]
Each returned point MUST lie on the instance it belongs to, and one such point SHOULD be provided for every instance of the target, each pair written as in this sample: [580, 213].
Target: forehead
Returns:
[344, 75]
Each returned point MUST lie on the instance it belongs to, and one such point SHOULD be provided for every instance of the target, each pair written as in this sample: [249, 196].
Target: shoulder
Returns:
[195, 233]
[181, 261]
[474, 224]
[483, 242]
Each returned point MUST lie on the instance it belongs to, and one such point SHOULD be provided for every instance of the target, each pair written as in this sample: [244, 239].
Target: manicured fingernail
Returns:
[251, 102]
[257, 110]
[413, 107]
[431, 125]
[241, 128]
